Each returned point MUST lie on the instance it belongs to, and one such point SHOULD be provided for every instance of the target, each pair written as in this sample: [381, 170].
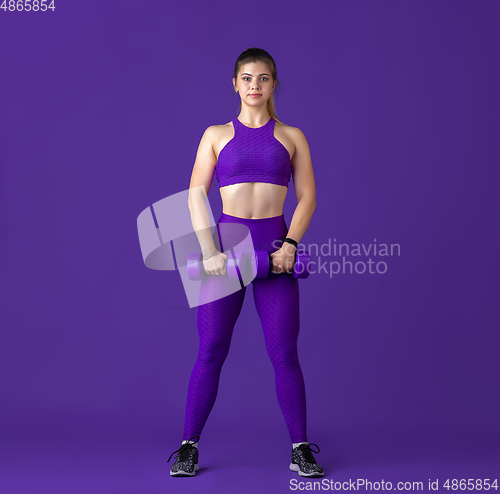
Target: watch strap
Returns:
[291, 241]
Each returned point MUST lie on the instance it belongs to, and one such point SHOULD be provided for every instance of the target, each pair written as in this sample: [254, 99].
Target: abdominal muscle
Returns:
[253, 200]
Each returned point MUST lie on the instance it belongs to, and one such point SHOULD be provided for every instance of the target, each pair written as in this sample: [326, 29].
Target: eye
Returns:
[262, 78]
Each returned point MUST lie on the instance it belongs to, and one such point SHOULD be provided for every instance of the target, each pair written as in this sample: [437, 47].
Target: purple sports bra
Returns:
[253, 155]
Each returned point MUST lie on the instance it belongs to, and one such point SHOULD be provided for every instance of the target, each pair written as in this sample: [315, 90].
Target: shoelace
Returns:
[185, 450]
[308, 451]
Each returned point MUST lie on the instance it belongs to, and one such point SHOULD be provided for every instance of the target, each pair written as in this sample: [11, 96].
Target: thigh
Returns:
[218, 314]
[277, 303]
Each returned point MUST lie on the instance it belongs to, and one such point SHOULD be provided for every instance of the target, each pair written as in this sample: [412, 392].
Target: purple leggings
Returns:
[277, 303]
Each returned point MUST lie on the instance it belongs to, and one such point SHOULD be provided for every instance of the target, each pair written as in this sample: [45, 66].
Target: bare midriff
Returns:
[253, 200]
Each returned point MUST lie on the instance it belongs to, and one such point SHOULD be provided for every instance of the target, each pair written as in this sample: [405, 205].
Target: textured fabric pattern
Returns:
[277, 303]
[304, 463]
[253, 155]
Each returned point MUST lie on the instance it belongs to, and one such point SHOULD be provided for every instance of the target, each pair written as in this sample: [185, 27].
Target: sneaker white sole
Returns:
[182, 473]
[295, 468]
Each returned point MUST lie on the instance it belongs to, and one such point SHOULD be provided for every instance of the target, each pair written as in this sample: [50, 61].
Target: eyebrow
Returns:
[246, 73]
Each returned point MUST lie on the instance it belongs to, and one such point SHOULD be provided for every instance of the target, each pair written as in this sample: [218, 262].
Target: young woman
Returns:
[253, 158]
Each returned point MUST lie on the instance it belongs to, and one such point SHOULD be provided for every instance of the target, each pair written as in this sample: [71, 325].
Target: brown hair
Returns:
[259, 55]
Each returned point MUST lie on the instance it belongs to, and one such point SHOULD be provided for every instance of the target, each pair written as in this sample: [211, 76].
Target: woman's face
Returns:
[254, 78]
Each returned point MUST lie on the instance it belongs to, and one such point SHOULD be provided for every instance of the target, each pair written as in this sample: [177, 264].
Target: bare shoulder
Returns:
[220, 136]
[291, 137]
[222, 128]
[211, 137]
[205, 156]
[294, 132]
[209, 134]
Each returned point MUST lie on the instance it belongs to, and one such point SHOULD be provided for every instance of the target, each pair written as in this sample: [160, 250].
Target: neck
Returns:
[254, 117]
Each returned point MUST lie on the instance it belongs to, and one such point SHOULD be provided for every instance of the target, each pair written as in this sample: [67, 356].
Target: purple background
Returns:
[103, 105]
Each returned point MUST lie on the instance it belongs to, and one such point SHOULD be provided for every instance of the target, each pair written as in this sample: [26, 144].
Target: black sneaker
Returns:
[186, 461]
[304, 463]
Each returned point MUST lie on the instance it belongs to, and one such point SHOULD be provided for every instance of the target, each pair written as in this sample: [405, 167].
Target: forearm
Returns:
[201, 224]
[301, 218]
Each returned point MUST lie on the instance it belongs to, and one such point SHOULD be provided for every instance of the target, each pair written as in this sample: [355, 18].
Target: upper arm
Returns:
[303, 175]
[204, 165]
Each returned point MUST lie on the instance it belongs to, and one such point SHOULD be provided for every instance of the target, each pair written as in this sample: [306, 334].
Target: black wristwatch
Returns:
[290, 241]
